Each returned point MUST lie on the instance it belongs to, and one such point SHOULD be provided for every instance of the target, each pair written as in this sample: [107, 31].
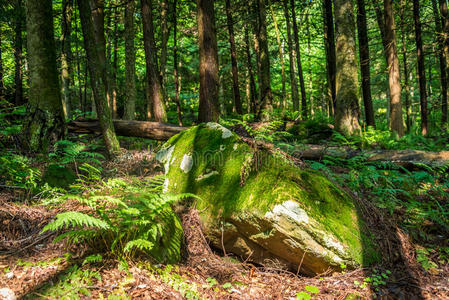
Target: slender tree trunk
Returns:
[130, 63]
[164, 34]
[347, 105]
[265, 105]
[445, 41]
[443, 75]
[92, 22]
[82, 103]
[281, 55]
[44, 123]
[18, 45]
[66, 57]
[209, 108]
[175, 63]
[421, 68]
[235, 73]
[155, 95]
[309, 61]
[329, 46]
[395, 120]
[252, 84]
[2, 86]
[291, 55]
[298, 62]
[365, 63]
[408, 107]
[114, 62]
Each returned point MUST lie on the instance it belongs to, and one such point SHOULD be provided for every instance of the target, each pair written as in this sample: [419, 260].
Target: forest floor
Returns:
[33, 266]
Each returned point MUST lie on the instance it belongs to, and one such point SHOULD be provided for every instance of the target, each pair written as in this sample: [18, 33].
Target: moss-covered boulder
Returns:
[260, 206]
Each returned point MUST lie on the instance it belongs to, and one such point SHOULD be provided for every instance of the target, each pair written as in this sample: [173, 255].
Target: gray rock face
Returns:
[7, 294]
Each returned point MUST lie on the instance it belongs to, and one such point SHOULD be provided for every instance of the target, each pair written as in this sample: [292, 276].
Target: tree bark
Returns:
[443, 75]
[92, 23]
[18, 59]
[408, 107]
[2, 86]
[150, 130]
[155, 95]
[395, 121]
[114, 63]
[298, 62]
[347, 109]
[365, 63]
[329, 46]
[66, 57]
[164, 35]
[44, 123]
[421, 67]
[265, 105]
[175, 63]
[209, 108]
[130, 63]
[235, 73]
[445, 41]
[291, 55]
[252, 84]
[281, 55]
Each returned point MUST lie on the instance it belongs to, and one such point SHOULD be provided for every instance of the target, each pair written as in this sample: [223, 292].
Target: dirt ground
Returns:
[29, 260]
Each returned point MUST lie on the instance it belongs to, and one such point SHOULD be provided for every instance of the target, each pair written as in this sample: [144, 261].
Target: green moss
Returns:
[246, 180]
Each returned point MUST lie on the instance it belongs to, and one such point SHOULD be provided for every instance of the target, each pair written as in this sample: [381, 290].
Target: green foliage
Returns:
[126, 226]
[66, 152]
[17, 170]
[307, 295]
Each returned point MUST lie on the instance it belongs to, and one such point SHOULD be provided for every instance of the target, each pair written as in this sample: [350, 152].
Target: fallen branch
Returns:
[151, 130]
[409, 159]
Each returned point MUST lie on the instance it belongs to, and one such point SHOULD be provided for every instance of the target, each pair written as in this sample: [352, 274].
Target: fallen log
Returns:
[151, 130]
[409, 159]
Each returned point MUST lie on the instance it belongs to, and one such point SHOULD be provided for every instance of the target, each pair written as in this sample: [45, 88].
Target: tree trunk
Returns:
[298, 62]
[265, 105]
[164, 34]
[175, 64]
[66, 57]
[92, 22]
[44, 123]
[365, 63]
[395, 120]
[114, 62]
[445, 41]
[421, 67]
[18, 45]
[209, 108]
[2, 86]
[347, 104]
[291, 55]
[235, 73]
[130, 63]
[443, 75]
[408, 107]
[281, 55]
[252, 84]
[150, 130]
[309, 61]
[329, 46]
[155, 95]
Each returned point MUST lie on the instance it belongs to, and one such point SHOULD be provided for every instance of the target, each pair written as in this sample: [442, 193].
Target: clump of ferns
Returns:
[123, 227]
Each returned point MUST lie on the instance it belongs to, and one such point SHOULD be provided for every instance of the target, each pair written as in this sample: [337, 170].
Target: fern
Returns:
[75, 219]
[140, 244]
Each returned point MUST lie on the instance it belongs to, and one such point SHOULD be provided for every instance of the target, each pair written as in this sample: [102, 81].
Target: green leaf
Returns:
[312, 289]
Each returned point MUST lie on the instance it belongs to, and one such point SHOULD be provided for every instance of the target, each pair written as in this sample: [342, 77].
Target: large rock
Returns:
[260, 206]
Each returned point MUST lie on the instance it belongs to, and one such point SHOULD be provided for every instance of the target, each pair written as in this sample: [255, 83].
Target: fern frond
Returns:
[75, 219]
[140, 244]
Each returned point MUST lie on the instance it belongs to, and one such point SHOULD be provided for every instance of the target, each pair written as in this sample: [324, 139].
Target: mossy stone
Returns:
[260, 203]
